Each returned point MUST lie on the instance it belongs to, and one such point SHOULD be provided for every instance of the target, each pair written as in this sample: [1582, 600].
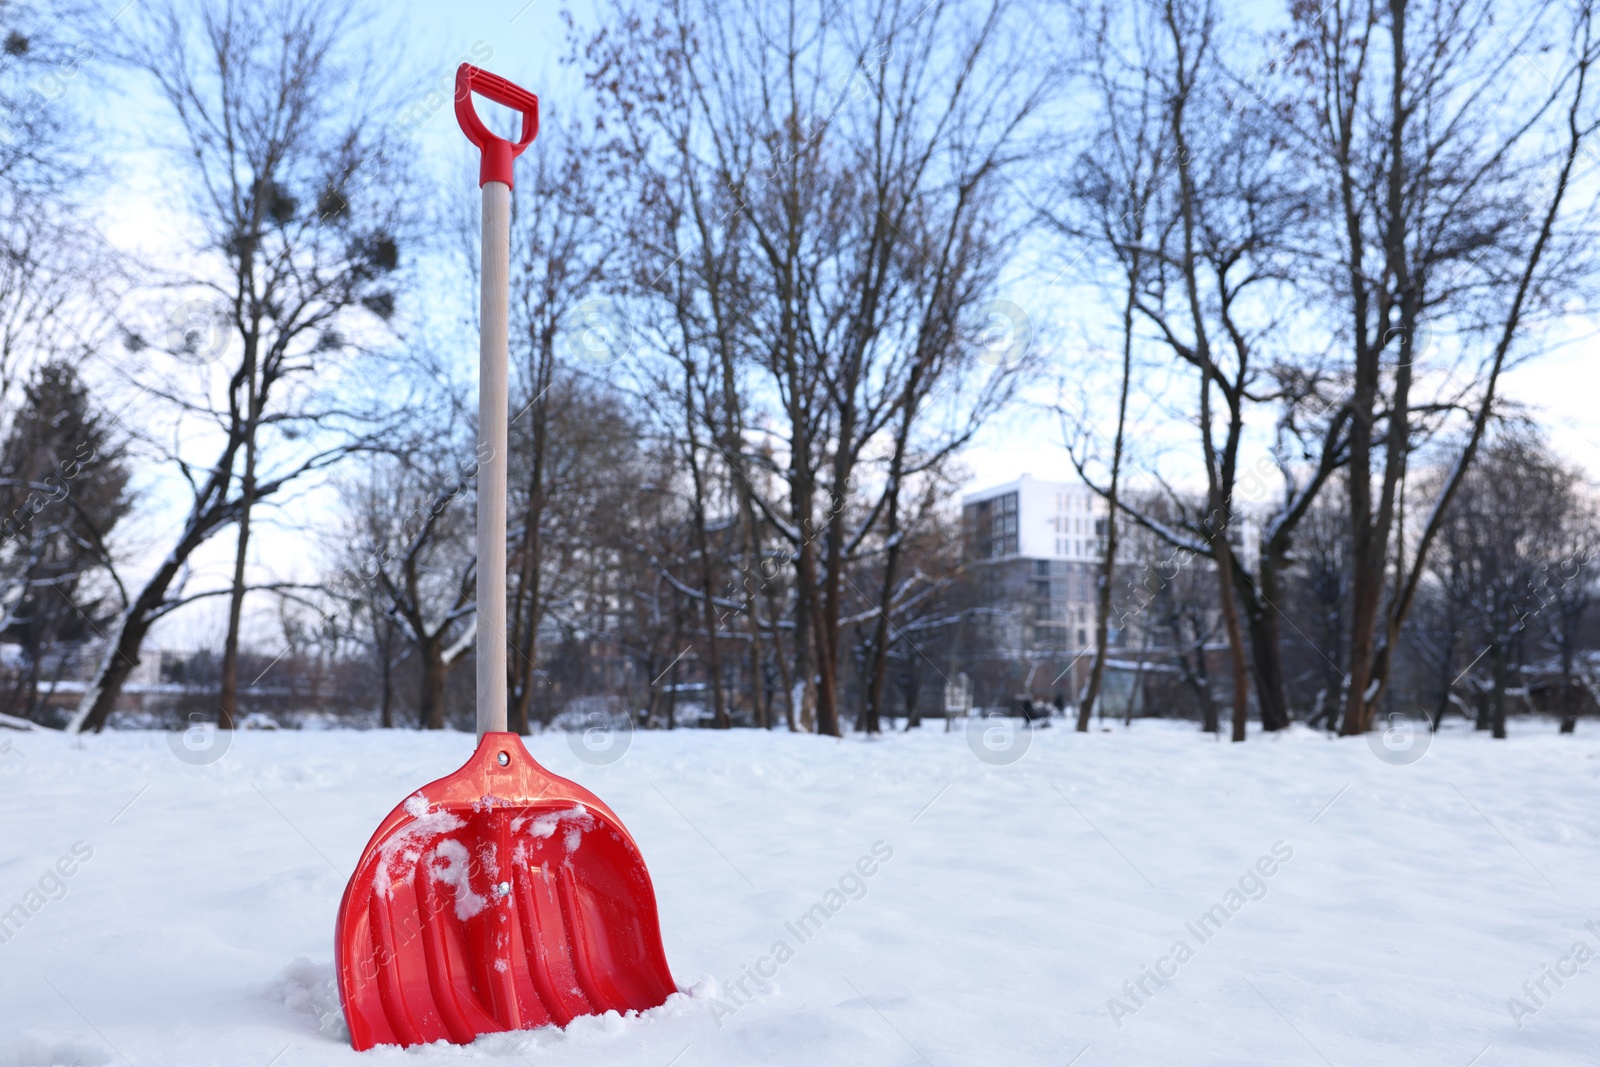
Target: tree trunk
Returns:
[228, 699]
[35, 667]
[703, 545]
[528, 601]
[785, 675]
[749, 537]
[433, 679]
[1266, 652]
[827, 626]
[881, 637]
[1569, 684]
[386, 705]
[880, 643]
[719, 704]
[1108, 564]
[672, 686]
[122, 651]
[527, 607]
[1498, 697]
[913, 703]
[712, 621]
[1230, 620]
[1369, 531]
[1137, 691]
[121, 657]
[1102, 619]
[1211, 721]
[383, 633]
[1219, 464]
[808, 627]
[910, 694]
[826, 620]
[228, 702]
[758, 670]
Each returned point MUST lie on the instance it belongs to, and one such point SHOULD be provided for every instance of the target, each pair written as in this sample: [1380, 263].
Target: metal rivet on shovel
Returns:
[420, 954]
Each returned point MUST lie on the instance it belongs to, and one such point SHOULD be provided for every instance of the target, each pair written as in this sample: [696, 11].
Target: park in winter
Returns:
[817, 532]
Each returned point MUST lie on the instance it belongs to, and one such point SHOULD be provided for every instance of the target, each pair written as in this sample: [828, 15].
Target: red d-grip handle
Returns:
[497, 151]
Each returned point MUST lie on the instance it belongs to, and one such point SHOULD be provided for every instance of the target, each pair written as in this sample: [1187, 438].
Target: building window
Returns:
[992, 527]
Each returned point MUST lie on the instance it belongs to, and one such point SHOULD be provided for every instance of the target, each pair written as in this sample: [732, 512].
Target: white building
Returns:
[1033, 519]
[1038, 548]
[1036, 519]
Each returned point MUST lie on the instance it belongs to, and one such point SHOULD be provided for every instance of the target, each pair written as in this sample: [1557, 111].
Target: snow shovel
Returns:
[501, 897]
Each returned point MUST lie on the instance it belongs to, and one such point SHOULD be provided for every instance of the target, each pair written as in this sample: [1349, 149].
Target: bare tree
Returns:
[1185, 607]
[1446, 171]
[411, 535]
[1221, 225]
[1318, 594]
[294, 246]
[603, 483]
[867, 194]
[1567, 591]
[1113, 183]
[1169, 592]
[1494, 554]
[563, 249]
[56, 273]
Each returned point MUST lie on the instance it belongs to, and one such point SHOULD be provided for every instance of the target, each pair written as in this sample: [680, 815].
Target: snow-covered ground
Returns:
[1405, 907]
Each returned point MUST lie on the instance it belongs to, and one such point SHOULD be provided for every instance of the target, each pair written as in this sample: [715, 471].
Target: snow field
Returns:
[932, 906]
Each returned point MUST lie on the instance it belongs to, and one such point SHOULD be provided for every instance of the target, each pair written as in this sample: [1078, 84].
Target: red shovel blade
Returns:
[499, 898]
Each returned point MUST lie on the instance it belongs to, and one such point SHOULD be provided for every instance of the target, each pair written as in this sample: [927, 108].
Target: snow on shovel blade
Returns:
[499, 898]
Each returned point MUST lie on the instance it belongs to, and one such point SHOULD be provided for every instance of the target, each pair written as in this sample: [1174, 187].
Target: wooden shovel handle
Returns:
[492, 403]
[494, 324]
